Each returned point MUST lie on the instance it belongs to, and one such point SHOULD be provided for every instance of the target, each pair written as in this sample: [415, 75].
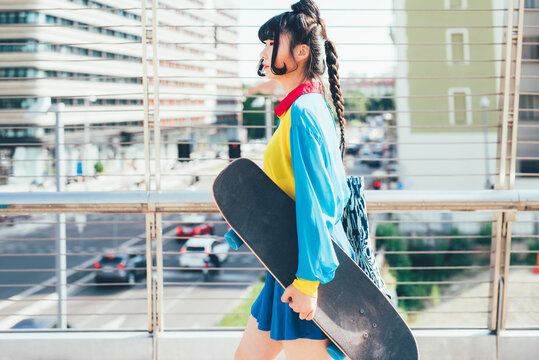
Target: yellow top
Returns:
[304, 160]
[278, 166]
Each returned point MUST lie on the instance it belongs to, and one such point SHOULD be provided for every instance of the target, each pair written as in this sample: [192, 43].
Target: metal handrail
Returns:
[202, 201]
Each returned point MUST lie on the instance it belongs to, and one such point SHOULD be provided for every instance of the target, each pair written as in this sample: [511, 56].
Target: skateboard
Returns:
[351, 310]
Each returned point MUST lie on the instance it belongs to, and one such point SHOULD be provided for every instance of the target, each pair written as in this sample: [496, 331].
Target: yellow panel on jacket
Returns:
[278, 159]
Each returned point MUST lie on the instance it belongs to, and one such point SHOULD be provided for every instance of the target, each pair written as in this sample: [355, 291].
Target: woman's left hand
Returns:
[301, 303]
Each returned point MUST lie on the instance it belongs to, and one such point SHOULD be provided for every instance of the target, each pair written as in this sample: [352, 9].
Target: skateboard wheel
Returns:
[362, 311]
[365, 335]
[374, 325]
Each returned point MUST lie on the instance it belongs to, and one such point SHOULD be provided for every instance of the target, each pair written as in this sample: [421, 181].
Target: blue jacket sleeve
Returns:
[316, 201]
[233, 239]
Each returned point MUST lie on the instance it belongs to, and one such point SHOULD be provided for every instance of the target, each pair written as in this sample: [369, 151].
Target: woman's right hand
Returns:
[300, 302]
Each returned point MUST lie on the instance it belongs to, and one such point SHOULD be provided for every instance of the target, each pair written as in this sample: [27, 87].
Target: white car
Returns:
[196, 252]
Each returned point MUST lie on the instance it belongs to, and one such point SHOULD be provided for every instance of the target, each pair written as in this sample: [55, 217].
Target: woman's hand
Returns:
[301, 303]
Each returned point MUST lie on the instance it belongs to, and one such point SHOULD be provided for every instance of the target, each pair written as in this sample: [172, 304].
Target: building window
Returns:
[455, 4]
[32, 17]
[528, 167]
[459, 98]
[529, 102]
[530, 48]
[531, 4]
[457, 47]
[460, 106]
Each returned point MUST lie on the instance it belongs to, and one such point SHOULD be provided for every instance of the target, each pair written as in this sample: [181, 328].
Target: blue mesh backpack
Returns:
[356, 227]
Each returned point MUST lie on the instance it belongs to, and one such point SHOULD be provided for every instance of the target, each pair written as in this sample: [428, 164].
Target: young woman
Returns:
[304, 158]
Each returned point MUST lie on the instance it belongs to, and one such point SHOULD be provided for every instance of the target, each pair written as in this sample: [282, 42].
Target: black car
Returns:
[117, 268]
[352, 149]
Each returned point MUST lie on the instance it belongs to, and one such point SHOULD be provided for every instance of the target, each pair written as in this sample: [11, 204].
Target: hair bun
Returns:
[307, 7]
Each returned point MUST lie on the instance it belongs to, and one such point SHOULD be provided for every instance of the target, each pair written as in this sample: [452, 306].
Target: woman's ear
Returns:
[302, 52]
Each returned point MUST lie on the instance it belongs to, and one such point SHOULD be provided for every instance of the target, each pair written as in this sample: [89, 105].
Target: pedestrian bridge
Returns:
[488, 314]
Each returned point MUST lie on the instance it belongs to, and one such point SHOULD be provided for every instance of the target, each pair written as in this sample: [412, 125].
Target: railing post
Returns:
[157, 99]
[154, 286]
[506, 160]
[495, 249]
[146, 94]
[61, 245]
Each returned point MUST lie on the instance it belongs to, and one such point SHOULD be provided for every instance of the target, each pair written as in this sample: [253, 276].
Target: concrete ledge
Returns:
[75, 345]
[519, 344]
[461, 344]
[434, 344]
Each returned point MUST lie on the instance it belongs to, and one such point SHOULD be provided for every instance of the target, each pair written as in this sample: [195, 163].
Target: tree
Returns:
[353, 101]
[255, 119]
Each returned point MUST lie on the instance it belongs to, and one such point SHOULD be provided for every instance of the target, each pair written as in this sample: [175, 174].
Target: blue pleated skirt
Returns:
[277, 317]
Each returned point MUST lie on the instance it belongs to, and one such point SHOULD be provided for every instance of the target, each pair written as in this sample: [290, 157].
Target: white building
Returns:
[87, 54]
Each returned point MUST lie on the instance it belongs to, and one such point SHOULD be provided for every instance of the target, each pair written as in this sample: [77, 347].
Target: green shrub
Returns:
[533, 244]
[441, 259]
[99, 168]
[486, 230]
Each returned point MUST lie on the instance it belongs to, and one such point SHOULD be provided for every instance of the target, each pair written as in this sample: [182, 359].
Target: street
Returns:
[28, 276]
[187, 297]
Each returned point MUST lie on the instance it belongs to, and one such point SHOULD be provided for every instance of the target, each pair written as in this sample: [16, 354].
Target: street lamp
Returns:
[61, 246]
[42, 107]
[485, 103]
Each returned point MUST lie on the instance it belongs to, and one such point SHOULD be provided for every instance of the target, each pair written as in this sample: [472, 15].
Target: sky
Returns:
[339, 15]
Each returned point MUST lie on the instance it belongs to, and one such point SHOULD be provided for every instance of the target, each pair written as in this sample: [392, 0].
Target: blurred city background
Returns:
[105, 104]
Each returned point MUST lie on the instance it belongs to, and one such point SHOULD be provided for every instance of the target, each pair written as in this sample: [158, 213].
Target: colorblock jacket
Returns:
[303, 158]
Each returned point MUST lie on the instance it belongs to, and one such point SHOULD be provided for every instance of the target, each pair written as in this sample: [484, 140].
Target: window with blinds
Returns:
[457, 46]
[459, 101]
[529, 102]
[530, 48]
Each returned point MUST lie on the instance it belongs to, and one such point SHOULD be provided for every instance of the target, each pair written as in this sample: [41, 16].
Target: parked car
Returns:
[365, 154]
[375, 161]
[369, 157]
[203, 253]
[378, 148]
[393, 169]
[12, 219]
[352, 149]
[39, 323]
[115, 268]
[378, 176]
[194, 225]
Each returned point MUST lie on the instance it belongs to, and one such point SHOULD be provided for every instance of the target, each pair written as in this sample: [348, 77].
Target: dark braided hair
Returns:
[335, 87]
[305, 26]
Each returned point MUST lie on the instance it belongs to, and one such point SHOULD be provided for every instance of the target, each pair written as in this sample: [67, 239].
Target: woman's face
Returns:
[283, 56]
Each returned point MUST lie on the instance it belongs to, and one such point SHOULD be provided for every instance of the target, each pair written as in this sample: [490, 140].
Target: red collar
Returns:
[305, 88]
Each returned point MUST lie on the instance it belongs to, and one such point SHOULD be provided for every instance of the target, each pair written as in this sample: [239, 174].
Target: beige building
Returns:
[447, 64]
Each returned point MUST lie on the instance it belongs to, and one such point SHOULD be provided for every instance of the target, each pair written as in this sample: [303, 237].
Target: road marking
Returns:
[104, 308]
[116, 323]
[34, 308]
[179, 297]
[52, 280]
[47, 300]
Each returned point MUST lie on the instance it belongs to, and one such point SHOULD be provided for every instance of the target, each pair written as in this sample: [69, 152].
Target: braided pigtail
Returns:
[335, 87]
[305, 26]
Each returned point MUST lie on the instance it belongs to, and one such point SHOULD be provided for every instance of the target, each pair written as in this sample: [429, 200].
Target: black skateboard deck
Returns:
[352, 311]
